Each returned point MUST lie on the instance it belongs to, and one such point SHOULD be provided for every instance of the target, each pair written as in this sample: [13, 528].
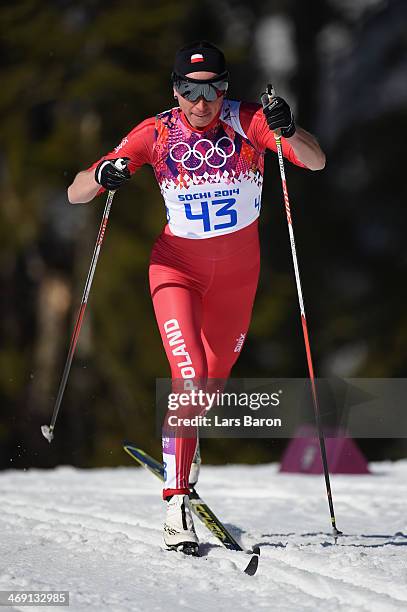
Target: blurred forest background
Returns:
[77, 76]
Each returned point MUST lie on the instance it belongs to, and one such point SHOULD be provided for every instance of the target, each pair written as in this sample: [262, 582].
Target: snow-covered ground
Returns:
[97, 533]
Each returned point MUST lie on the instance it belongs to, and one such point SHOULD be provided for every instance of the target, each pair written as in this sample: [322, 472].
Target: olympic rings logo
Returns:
[182, 152]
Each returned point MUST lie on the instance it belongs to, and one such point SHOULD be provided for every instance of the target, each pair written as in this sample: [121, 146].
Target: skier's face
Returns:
[200, 112]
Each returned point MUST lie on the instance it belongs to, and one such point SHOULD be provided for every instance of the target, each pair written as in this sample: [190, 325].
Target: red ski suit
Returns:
[204, 266]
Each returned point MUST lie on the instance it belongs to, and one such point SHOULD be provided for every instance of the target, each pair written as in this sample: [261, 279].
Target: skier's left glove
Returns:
[279, 117]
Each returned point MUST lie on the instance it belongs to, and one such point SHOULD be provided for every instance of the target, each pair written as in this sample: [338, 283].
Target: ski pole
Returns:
[48, 431]
[266, 99]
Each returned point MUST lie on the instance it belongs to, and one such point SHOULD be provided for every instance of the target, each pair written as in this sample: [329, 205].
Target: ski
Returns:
[200, 509]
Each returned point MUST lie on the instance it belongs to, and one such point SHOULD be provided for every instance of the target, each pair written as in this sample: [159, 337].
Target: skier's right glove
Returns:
[112, 173]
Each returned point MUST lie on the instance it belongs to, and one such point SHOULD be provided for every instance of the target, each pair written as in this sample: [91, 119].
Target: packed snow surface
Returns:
[97, 534]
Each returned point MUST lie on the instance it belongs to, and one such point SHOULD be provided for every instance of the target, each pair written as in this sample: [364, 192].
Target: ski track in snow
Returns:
[97, 534]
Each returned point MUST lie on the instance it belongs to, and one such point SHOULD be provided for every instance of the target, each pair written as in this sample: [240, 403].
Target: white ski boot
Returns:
[179, 531]
[195, 468]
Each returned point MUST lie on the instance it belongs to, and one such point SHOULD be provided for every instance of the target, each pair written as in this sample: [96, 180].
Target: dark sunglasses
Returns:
[192, 89]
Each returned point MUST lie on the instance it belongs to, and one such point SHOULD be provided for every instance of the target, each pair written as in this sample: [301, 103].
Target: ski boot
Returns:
[179, 531]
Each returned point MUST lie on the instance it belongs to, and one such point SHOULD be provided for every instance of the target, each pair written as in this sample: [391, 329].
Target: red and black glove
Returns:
[279, 117]
[112, 173]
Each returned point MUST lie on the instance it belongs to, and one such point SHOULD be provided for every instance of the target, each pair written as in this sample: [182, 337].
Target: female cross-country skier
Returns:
[208, 158]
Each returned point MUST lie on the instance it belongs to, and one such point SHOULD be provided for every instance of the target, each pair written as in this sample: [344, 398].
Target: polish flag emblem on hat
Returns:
[197, 57]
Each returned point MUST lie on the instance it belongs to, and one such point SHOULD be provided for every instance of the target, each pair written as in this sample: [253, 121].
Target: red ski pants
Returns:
[203, 292]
